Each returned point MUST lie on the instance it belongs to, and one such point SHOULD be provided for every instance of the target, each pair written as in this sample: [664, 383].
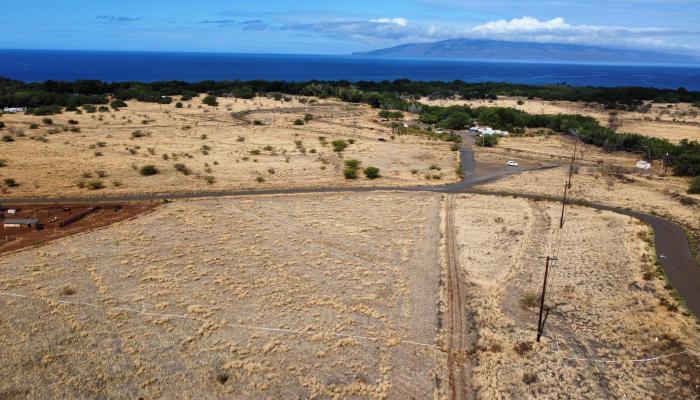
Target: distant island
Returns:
[527, 51]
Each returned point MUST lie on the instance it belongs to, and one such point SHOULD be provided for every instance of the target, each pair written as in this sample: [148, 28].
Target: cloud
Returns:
[397, 30]
[218, 22]
[557, 30]
[255, 25]
[395, 21]
[116, 18]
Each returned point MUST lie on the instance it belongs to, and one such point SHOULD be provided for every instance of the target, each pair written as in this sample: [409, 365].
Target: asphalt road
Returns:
[672, 246]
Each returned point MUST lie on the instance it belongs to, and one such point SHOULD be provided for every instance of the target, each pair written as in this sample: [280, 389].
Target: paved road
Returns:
[670, 239]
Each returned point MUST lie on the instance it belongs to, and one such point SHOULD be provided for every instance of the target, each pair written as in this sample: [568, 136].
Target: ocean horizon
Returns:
[119, 66]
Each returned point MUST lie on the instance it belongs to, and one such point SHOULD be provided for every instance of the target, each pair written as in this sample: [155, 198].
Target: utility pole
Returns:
[540, 323]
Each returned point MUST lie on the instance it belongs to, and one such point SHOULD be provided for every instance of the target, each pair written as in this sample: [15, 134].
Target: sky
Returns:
[328, 27]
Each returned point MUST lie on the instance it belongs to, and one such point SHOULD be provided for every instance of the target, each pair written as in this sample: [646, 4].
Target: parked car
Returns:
[512, 163]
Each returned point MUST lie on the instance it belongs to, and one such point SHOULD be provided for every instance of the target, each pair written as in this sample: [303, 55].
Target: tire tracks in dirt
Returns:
[458, 362]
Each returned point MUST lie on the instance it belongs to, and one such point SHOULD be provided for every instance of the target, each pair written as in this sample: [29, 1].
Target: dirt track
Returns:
[457, 341]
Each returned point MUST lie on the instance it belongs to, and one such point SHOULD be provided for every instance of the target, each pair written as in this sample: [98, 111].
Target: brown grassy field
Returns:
[315, 296]
[670, 121]
[603, 177]
[216, 150]
[337, 296]
[607, 304]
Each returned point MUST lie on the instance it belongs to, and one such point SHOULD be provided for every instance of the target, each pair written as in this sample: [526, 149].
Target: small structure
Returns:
[21, 223]
[487, 131]
[14, 109]
[12, 211]
[645, 165]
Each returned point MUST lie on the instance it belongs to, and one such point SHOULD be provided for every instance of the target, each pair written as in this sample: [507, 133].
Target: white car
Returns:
[512, 163]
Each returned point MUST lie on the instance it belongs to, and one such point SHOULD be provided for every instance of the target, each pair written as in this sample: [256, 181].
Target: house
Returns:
[486, 131]
[20, 223]
[641, 164]
[14, 109]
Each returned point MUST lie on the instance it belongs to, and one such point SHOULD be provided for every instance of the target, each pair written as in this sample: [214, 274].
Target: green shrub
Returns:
[210, 179]
[298, 121]
[117, 104]
[352, 163]
[137, 134]
[255, 152]
[260, 179]
[210, 101]
[95, 184]
[371, 172]
[339, 145]
[73, 122]
[3, 162]
[308, 117]
[178, 105]
[89, 108]
[33, 126]
[694, 186]
[47, 121]
[148, 170]
[2, 125]
[454, 147]
[487, 140]
[350, 173]
[7, 138]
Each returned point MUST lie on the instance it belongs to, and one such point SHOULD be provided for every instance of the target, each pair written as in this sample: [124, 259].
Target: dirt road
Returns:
[458, 330]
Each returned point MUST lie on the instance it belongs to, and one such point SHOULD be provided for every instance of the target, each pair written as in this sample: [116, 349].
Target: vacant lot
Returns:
[607, 303]
[239, 144]
[671, 121]
[267, 297]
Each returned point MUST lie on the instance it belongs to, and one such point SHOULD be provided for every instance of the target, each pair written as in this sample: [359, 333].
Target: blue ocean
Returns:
[40, 65]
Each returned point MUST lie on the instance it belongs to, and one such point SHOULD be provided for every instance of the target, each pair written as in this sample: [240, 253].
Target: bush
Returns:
[298, 121]
[7, 138]
[178, 105]
[454, 147]
[339, 145]
[95, 184]
[33, 126]
[354, 164]
[487, 141]
[694, 186]
[260, 179]
[11, 182]
[89, 108]
[47, 121]
[103, 109]
[2, 125]
[117, 104]
[182, 168]
[3, 162]
[308, 117]
[148, 170]
[137, 134]
[73, 122]
[210, 179]
[210, 101]
[350, 173]
[371, 172]
[75, 129]
[45, 110]
[390, 114]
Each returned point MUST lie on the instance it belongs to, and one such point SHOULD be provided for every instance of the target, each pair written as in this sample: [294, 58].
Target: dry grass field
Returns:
[608, 178]
[670, 121]
[606, 303]
[215, 149]
[314, 296]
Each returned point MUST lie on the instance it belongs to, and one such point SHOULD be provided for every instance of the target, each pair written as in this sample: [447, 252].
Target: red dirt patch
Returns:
[56, 221]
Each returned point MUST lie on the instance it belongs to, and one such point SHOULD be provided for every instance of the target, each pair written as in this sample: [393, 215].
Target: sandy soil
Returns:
[184, 301]
[670, 121]
[603, 307]
[49, 160]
